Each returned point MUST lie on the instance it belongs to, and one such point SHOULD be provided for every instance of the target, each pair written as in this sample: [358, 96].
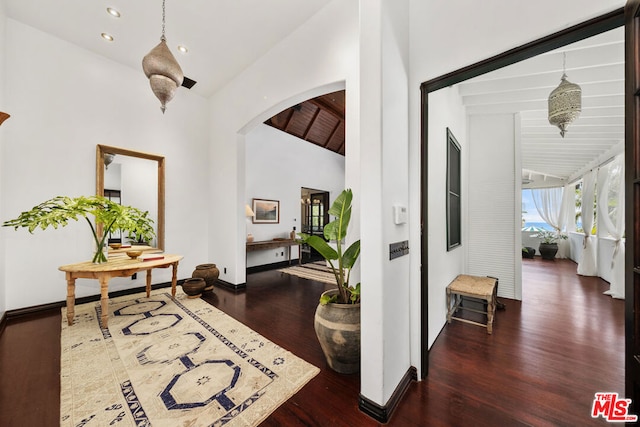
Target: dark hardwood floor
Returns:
[545, 360]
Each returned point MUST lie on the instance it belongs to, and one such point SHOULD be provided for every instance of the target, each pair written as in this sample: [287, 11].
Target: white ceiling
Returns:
[597, 65]
[223, 37]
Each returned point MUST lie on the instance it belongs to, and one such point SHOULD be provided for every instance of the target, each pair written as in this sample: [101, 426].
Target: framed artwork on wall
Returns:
[266, 211]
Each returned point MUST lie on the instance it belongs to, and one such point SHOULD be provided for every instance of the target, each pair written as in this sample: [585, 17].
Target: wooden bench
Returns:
[483, 288]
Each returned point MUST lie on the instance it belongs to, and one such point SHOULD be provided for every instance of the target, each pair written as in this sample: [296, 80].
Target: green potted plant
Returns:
[549, 243]
[337, 317]
[108, 216]
[528, 252]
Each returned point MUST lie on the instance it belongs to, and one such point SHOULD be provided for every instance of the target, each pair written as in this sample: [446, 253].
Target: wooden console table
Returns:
[273, 244]
[116, 267]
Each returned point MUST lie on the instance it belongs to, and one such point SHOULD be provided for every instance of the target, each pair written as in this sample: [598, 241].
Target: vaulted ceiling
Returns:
[320, 121]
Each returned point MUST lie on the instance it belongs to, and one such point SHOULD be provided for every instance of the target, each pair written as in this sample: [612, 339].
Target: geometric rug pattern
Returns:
[171, 363]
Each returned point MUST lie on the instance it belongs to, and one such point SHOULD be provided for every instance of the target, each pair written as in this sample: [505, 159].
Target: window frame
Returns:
[454, 176]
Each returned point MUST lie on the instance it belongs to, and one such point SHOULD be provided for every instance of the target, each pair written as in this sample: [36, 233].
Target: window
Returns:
[454, 208]
[613, 193]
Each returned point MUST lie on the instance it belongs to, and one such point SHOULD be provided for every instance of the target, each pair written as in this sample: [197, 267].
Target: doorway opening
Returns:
[579, 32]
[314, 214]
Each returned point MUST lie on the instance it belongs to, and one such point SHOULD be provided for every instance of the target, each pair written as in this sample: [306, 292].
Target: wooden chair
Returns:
[483, 288]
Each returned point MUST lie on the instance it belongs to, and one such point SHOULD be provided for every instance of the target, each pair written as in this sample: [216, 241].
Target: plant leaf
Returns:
[57, 212]
[341, 209]
[350, 256]
[354, 294]
[320, 245]
[326, 299]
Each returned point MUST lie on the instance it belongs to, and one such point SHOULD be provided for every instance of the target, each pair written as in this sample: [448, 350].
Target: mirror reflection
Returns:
[136, 179]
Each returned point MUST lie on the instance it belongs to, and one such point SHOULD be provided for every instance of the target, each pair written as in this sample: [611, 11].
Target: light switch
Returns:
[399, 214]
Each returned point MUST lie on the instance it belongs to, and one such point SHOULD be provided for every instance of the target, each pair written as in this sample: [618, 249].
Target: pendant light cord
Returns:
[163, 37]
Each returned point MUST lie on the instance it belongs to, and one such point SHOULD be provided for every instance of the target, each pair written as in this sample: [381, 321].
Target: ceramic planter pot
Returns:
[338, 330]
[548, 250]
[193, 287]
[209, 272]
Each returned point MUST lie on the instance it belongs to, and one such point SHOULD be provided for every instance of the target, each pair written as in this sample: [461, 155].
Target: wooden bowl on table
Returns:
[133, 254]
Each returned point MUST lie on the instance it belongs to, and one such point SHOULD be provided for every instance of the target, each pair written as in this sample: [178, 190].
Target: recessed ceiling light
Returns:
[107, 37]
[113, 12]
[183, 49]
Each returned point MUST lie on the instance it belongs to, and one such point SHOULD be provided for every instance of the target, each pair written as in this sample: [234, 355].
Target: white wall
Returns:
[384, 157]
[492, 217]
[277, 166]
[445, 111]
[59, 114]
[605, 247]
[310, 62]
[3, 38]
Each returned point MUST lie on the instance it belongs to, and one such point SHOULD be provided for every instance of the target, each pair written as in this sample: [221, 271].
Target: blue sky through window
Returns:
[530, 213]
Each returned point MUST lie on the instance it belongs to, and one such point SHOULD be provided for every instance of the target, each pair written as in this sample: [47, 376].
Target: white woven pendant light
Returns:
[565, 102]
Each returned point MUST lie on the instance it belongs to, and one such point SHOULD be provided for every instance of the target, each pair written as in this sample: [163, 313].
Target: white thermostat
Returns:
[399, 214]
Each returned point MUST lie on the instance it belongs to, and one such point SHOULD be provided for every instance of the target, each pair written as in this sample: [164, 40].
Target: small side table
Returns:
[116, 267]
[484, 288]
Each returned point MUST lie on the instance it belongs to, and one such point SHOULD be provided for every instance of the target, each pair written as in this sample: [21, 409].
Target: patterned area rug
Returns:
[314, 271]
[171, 363]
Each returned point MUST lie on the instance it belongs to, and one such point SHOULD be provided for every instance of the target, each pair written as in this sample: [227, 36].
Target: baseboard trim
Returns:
[11, 314]
[272, 266]
[25, 311]
[125, 292]
[3, 323]
[383, 413]
[233, 287]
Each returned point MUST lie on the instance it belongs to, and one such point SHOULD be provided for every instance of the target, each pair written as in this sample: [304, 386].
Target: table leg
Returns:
[491, 309]
[71, 298]
[299, 254]
[174, 280]
[104, 300]
[289, 255]
[148, 282]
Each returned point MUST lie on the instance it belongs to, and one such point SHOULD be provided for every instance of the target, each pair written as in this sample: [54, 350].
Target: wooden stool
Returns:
[484, 288]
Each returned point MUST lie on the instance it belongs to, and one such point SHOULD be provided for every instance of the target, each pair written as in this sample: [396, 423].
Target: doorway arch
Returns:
[241, 141]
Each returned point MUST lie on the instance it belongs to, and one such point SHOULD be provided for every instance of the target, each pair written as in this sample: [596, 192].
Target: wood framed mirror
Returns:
[140, 174]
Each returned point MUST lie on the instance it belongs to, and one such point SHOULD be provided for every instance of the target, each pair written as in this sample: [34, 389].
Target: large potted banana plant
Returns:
[337, 317]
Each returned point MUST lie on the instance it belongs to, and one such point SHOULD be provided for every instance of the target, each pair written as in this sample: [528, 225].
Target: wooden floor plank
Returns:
[542, 365]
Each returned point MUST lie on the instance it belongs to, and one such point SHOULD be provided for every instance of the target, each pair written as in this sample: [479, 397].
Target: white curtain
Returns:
[587, 265]
[615, 227]
[550, 205]
[567, 221]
